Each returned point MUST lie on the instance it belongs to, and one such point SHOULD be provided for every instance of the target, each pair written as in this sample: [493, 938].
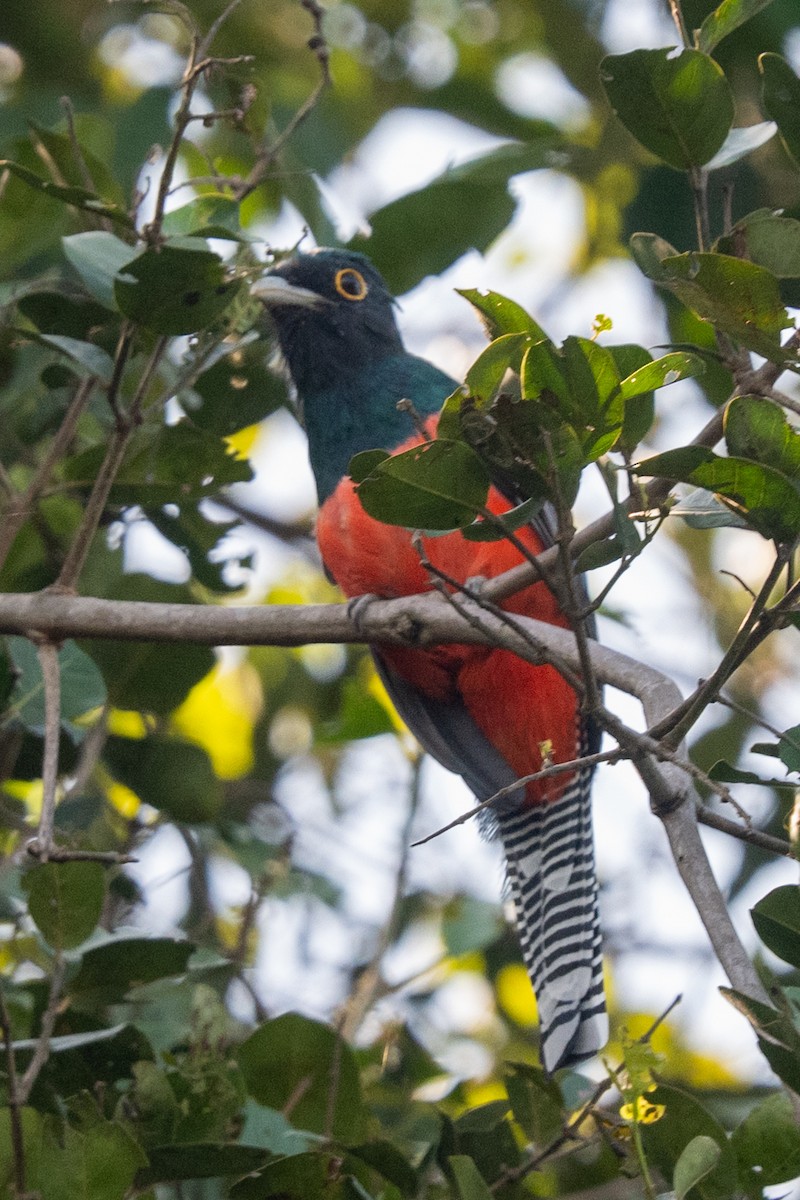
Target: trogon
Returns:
[483, 713]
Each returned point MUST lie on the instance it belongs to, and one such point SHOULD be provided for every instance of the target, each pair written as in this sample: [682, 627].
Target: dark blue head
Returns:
[335, 322]
[333, 313]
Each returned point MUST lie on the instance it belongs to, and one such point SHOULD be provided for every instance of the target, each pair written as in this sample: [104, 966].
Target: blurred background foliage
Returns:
[270, 796]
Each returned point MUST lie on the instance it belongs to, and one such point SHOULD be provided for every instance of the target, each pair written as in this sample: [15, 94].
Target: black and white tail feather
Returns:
[551, 876]
[550, 870]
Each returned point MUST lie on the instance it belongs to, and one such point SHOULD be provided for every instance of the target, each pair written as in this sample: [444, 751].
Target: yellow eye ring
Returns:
[350, 284]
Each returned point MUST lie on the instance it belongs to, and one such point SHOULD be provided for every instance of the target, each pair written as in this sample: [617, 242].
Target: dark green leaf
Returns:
[726, 17]
[82, 686]
[385, 1158]
[781, 100]
[180, 462]
[295, 1057]
[470, 1184]
[599, 554]
[68, 316]
[765, 238]
[94, 1163]
[173, 776]
[76, 197]
[649, 252]
[302, 1177]
[200, 1160]
[697, 1160]
[757, 428]
[487, 531]
[438, 485]
[661, 373]
[363, 464]
[150, 676]
[98, 257]
[789, 748]
[777, 921]
[767, 1143]
[737, 296]
[765, 497]
[486, 374]
[124, 962]
[175, 289]
[678, 105]
[666, 1139]
[208, 216]
[535, 1101]
[65, 900]
[501, 315]
[236, 391]
[93, 360]
[724, 772]
[197, 536]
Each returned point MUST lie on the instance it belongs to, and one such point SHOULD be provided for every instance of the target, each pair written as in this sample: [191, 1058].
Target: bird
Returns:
[482, 712]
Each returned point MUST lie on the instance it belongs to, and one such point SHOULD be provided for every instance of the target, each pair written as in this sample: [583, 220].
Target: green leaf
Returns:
[767, 499]
[780, 97]
[486, 374]
[175, 289]
[301, 1177]
[738, 297]
[697, 1160]
[76, 197]
[685, 1120]
[438, 485]
[486, 531]
[125, 962]
[725, 18]
[209, 215]
[767, 1143]
[295, 1058]
[678, 105]
[174, 777]
[789, 748]
[82, 686]
[777, 921]
[470, 924]
[96, 1163]
[199, 1160]
[757, 428]
[661, 373]
[649, 252]
[175, 464]
[596, 405]
[501, 315]
[237, 391]
[149, 676]
[425, 231]
[535, 1102]
[364, 463]
[98, 257]
[767, 239]
[65, 900]
[470, 1184]
[93, 360]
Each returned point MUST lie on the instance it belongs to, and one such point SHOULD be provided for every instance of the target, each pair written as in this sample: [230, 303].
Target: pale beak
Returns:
[274, 290]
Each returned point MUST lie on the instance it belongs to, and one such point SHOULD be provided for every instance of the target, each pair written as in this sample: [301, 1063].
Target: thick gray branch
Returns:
[422, 620]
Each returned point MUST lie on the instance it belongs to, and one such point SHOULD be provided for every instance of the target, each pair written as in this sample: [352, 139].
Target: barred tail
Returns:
[551, 873]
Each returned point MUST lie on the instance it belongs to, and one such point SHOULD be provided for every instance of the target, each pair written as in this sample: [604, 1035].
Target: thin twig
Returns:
[15, 1103]
[47, 652]
[42, 1051]
[17, 513]
[368, 985]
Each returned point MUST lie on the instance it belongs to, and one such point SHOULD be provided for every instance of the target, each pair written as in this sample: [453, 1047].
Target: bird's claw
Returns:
[357, 609]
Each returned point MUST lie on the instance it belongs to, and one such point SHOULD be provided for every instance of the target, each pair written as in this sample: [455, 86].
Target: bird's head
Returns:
[333, 314]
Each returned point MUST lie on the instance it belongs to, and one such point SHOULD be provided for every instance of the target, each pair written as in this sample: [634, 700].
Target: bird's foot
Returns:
[357, 608]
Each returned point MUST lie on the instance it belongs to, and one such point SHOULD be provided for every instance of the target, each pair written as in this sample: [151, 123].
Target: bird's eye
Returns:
[350, 284]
